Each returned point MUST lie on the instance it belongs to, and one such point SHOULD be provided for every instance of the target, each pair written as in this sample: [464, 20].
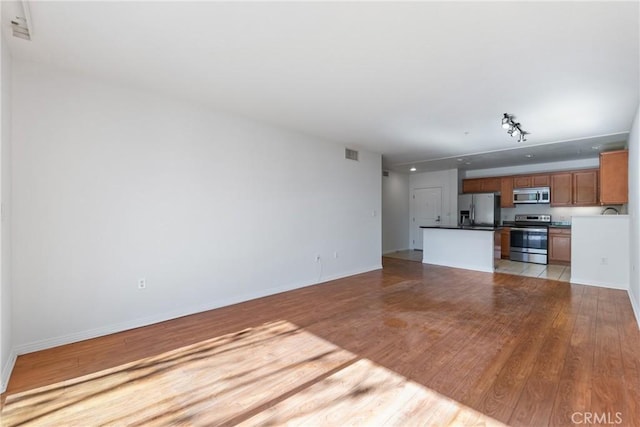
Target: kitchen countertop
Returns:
[463, 227]
[552, 225]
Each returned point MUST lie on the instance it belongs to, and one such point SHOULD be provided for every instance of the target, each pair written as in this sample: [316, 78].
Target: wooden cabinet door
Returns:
[585, 188]
[473, 185]
[540, 181]
[505, 242]
[481, 185]
[521, 181]
[561, 189]
[506, 192]
[491, 185]
[559, 247]
[614, 173]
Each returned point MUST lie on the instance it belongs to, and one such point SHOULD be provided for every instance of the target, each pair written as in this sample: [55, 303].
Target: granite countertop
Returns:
[552, 225]
[463, 227]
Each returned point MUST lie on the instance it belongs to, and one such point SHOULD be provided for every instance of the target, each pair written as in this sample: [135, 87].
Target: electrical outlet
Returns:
[142, 283]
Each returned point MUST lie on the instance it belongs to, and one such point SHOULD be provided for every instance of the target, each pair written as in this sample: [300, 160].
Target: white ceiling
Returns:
[415, 81]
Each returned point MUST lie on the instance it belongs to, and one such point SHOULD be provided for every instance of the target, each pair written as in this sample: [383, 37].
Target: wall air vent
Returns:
[385, 173]
[350, 154]
[21, 24]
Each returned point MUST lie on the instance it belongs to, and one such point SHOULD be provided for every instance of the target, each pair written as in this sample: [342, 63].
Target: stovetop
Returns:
[532, 220]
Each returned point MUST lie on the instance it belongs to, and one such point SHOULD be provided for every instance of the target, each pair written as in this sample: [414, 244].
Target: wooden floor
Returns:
[412, 344]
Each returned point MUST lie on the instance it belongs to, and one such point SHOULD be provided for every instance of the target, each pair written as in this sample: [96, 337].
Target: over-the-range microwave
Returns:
[531, 195]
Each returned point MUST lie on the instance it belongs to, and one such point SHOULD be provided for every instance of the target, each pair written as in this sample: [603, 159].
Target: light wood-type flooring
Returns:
[551, 271]
[412, 344]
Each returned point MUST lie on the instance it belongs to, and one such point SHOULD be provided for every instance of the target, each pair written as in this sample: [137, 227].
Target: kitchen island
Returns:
[468, 247]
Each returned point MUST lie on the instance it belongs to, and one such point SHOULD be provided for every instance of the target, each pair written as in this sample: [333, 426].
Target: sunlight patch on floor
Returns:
[279, 373]
[369, 395]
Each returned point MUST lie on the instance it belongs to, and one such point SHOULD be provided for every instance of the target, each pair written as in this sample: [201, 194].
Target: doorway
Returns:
[426, 204]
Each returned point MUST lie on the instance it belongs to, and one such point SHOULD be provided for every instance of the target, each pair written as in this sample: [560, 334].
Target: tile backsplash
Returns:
[562, 214]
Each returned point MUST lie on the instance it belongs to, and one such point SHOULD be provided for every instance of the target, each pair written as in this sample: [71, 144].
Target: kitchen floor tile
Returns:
[566, 275]
[409, 255]
[510, 267]
[534, 270]
[552, 272]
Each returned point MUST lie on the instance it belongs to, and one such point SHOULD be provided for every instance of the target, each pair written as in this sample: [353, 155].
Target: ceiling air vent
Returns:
[350, 154]
[385, 173]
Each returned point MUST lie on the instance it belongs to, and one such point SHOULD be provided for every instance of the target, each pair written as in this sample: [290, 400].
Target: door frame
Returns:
[412, 210]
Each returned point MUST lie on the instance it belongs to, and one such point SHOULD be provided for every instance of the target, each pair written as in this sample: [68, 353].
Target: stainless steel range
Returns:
[529, 238]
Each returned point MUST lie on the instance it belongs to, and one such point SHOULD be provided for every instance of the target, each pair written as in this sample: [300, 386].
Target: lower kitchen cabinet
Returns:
[505, 242]
[559, 246]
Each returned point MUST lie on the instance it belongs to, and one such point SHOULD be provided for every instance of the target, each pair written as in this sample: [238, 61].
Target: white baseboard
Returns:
[6, 371]
[591, 282]
[634, 306]
[343, 275]
[162, 317]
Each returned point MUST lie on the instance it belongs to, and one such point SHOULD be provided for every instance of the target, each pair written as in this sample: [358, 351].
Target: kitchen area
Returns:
[564, 224]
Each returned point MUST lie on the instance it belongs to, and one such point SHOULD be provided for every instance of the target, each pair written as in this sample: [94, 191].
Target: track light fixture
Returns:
[505, 121]
[513, 128]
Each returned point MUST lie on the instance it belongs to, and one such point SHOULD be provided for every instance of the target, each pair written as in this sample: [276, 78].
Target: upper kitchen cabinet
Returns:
[506, 192]
[561, 189]
[530, 181]
[578, 188]
[481, 185]
[614, 172]
[585, 188]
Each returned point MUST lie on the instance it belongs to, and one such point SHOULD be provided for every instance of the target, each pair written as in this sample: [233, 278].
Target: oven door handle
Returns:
[543, 230]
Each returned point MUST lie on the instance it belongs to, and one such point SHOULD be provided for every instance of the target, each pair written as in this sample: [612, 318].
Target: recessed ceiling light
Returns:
[460, 160]
[413, 169]
[595, 147]
[467, 163]
[528, 156]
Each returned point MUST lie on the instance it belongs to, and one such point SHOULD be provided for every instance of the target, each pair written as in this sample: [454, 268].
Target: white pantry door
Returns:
[427, 210]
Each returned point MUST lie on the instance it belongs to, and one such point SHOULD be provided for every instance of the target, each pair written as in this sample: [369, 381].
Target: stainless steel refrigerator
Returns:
[479, 209]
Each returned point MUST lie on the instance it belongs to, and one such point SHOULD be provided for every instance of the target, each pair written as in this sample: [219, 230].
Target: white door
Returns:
[427, 210]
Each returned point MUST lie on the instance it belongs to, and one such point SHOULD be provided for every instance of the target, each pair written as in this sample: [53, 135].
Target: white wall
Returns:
[448, 181]
[112, 184]
[634, 215]
[600, 251]
[395, 212]
[7, 356]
